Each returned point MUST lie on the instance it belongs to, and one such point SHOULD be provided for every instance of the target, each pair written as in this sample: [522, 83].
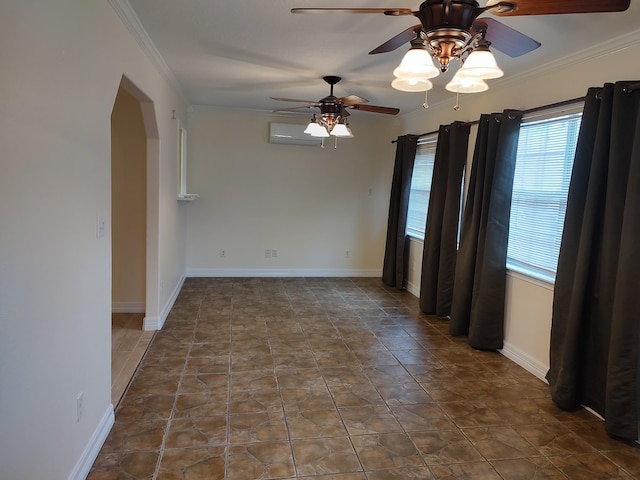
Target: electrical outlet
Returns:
[274, 253]
[267, 253]
[223, 253]
[79, 406]
[347, 254]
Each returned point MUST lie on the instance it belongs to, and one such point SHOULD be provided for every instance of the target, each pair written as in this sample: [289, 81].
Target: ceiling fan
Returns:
[334, 110]
[453, 29]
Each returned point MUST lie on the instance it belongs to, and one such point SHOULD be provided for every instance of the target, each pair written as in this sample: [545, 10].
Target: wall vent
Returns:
[291, 134]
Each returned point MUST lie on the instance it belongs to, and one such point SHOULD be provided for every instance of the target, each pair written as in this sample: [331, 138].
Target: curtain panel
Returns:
[394, 269]
[443, 214]
[477, 308]
[596, 308]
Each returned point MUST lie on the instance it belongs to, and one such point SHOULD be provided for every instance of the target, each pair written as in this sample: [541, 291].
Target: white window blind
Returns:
[421, 185]
[546, 148]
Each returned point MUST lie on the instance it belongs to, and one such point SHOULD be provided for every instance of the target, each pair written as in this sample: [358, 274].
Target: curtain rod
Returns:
[631, 87]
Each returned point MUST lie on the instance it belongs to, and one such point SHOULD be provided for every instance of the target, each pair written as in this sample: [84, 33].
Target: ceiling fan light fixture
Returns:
[412, 84]
[310, 127]
[481, 64]
[462, 84]
[416, 63]
[341, 130]
[316, 130]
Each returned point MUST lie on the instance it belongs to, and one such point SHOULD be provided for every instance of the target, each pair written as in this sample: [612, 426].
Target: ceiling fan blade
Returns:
[280, 99]
[376, 109]
[293, 109]
[555, 7]
[392, 11]
[352, 100]
[504, 38]
[397, 41]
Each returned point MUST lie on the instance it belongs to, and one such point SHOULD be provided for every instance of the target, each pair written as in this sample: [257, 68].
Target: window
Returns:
[182, 160]
[421, 185]
[546, 148]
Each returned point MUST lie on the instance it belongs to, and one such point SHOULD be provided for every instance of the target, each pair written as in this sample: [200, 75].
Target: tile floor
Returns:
[128, 344]
[338, 379]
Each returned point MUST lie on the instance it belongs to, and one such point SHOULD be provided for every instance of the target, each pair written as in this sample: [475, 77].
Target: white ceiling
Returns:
[238, 53]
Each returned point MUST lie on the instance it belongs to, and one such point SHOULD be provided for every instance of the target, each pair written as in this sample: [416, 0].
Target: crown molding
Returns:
[132, 22]
[627, 41]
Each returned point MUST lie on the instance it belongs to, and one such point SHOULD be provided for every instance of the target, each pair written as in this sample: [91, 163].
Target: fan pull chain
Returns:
[426, 99]
[456, 107]
[322, 143]
[335, 145]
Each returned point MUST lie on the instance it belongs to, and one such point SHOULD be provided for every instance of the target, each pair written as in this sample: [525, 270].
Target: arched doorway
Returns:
[133, 218]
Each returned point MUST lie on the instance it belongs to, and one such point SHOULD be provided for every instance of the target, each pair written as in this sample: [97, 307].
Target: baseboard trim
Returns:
[526, 361]
[156, 323]
[413, 289]
[91, 451]
[282, 272]
[128, 307]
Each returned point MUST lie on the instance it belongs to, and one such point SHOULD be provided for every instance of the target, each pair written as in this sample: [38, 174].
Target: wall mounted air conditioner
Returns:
[291, 134]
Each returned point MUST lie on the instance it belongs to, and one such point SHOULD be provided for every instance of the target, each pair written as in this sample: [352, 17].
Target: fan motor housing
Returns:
[330, 106]
[437, 14]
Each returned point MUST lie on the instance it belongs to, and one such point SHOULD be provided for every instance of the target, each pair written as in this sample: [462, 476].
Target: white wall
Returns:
[61, 65]
[529, 303]
[308, 203]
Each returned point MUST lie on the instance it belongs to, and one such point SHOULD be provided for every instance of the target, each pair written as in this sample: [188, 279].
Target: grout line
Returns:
[357, 316]
[227, 446]
[175, 398]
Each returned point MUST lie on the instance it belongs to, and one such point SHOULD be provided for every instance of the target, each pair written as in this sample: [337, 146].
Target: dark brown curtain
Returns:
[395, 254]
[596, 306]
[443, 215]
[477, 309]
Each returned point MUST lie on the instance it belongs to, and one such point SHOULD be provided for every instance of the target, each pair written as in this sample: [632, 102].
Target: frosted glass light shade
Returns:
[412, 84]
[462, 84]
[416, 63]
[341, 130]
[481, 64]
[316, 130]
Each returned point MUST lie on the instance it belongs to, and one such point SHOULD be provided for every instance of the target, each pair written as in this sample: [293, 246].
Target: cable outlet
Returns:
[79, 407]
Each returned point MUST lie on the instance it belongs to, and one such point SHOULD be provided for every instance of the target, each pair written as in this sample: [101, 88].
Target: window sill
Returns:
[187, 197]
[538, 280]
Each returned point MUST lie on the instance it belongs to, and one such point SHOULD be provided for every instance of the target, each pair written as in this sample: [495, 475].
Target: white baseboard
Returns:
[526, 361]
[156, 323]
[128, 307]
[91, 451]
[413, 289]
[282, 272]
[151, 323]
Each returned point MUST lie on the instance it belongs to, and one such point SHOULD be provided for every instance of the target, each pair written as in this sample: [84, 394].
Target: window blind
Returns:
[421, 186]
[546, 148]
